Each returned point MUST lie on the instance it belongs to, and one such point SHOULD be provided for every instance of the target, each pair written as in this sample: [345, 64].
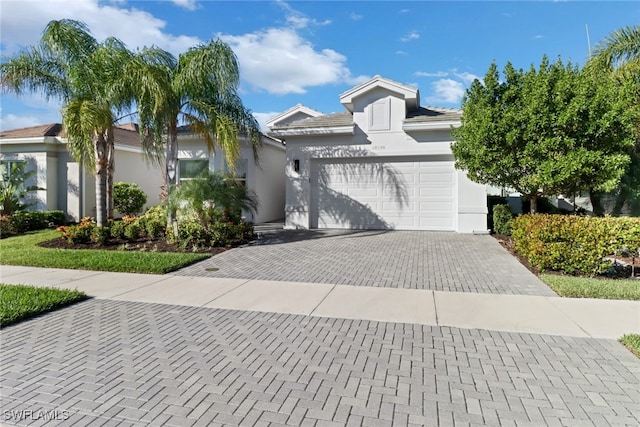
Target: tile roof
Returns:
[51, 129]
[433, 114]
[327, 120]
[123, 135]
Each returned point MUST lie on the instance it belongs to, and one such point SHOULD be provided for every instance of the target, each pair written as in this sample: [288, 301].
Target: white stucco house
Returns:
[265, 177]
[68, 187]
[383, 163]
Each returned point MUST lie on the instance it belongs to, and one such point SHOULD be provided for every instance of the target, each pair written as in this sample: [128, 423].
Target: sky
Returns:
[309, 52]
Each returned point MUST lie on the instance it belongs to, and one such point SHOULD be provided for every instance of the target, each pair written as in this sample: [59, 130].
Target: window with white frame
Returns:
[242, 167]
[9, 167]
[189, 169]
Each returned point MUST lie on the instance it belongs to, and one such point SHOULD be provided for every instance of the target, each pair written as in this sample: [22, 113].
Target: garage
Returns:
[415, 193]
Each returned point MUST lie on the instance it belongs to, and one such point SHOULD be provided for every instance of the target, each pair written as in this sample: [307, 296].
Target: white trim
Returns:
[443, 125]
[333, 130]
[411, 95]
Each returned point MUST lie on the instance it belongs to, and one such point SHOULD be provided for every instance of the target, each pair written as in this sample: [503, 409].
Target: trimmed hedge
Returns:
[574, 244]
[23, 221]
[502, 218]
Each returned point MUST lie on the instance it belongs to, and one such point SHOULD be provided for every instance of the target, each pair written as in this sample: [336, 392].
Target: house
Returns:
[68, 187]
[266, 177]
[384, 163]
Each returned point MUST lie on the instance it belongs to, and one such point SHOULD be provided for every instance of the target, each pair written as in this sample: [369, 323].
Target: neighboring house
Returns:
[384, 163]
[266, 178]
[67, 186]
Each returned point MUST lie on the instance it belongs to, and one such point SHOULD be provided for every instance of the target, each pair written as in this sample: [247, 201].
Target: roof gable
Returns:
[410, 94]
[51, 129]
[295, 113]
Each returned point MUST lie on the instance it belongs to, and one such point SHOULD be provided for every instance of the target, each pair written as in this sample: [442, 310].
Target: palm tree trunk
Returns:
[534, 203]
[110, 171]
[171, 171]
[100, 145]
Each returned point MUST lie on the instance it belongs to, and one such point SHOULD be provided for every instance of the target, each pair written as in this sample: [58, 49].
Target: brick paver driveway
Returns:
[399, 259]
[105, 362]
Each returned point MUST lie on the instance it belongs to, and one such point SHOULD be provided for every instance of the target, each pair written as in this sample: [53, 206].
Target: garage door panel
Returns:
[374, 194]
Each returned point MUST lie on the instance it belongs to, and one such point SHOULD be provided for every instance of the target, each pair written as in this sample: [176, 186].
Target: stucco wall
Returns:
[133, 167]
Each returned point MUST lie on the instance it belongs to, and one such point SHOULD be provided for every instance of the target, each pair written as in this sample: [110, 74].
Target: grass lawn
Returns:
[585, 287]
[18, 302]
[23, 250]
[632, 342]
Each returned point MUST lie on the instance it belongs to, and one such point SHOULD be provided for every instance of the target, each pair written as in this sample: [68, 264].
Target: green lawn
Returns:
[632, 342]
[18, 302]
[585, 287]
[23, 250]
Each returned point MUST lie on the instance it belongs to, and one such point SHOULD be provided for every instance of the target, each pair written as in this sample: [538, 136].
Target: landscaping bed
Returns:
[141, 245]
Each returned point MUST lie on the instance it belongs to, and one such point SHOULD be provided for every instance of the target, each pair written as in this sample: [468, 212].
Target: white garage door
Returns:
[403, 194]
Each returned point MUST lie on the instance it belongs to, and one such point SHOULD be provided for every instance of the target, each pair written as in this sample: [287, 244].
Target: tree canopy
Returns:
[545, 131]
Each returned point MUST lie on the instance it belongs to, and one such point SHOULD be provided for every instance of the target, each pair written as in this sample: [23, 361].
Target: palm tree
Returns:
[70, 65]
[621, 46]
[198, 89]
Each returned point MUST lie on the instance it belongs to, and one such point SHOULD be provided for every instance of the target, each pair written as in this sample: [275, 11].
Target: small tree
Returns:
[13, 191]
[543, 132]
[128, 198]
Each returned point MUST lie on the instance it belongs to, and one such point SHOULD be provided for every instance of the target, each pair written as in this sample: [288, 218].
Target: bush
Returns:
[99, 235]
[132, 231]
[154, 222]
[117, 230]
[128, 198]
[574, 244]
[502, 217]
[23, 221]
[5, 225]
[81, 233]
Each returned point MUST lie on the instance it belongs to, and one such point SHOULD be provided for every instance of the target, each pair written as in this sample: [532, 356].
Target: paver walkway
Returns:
[104, 362]
[439, 261]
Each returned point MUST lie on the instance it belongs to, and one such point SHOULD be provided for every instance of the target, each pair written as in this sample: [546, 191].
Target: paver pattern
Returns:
[124, 363]
[398, 259]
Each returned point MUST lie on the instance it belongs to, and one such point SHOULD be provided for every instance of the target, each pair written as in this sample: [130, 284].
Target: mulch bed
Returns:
[143, 245]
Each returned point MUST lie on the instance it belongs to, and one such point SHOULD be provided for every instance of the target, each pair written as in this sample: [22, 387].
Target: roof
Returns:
[123, 135]
[327, 120]
[433, 114]
[51, 129]
[410, 94]
[297, 109]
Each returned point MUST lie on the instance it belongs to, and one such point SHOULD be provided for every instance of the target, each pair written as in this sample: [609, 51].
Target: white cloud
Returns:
[299, 20]
[134, 27]
[401, 52]
[262, 119]
[413, 35]
[187, 4]
[13, 121]
[447, 91]
[354, 16]
[280, 61]
[538, 36]
[427, 74]
[467, 77]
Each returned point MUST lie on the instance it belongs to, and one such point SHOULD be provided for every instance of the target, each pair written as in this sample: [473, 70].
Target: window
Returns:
[241, 171]
[191, 168]
[10, 166]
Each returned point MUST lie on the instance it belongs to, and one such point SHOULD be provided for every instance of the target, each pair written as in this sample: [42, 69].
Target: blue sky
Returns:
[311, 51]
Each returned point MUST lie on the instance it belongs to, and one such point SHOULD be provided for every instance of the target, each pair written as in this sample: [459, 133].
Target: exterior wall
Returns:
[133, 167]
[36, 159]
[393, 143]
[266, 179]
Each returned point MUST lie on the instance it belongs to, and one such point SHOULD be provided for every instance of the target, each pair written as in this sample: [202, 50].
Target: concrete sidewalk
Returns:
[509, 313]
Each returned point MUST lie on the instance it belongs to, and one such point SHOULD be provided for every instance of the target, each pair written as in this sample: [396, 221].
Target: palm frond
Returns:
[619, 47]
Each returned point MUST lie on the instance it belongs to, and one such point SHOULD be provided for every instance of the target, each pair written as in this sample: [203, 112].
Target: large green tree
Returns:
[199, 89]
[543, 131]
[69, 64]
[617, 59]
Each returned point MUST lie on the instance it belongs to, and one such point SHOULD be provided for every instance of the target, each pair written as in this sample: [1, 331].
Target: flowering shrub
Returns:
[80, 233]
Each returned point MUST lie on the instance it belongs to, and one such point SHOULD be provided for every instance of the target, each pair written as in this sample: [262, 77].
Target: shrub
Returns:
[117, 230]
[502, 217]
[80, 233]
[573, 244]
[23, 221]
[99, 235]
[5, 225]
[132, 230]
[154, 222]
[128, 198]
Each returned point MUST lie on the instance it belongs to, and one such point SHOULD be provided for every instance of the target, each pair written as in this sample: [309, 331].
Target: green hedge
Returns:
[573, 244]
[502, 218]
[21, 222]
